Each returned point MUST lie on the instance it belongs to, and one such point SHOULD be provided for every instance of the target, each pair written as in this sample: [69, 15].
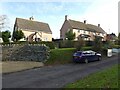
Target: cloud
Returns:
[94, 11]
[104, 12]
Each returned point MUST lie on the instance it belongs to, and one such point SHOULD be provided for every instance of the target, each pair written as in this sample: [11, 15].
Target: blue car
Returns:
[86, 56]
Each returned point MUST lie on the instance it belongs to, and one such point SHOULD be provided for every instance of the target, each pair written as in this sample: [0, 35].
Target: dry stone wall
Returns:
[26, 52]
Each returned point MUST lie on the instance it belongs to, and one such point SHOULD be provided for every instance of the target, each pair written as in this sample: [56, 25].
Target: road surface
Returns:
[55, 76]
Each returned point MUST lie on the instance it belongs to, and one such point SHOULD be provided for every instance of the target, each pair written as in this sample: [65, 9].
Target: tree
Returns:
[5, 35]
[4, 22]
[70, 35]
[17, 35]
[79, 44]
[97, 44]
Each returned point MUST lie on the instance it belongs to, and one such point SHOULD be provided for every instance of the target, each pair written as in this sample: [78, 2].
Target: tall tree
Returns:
[4, 22]
[17, 35]
[79, 44]
[97, 44]
[6, 35]
[70, 35]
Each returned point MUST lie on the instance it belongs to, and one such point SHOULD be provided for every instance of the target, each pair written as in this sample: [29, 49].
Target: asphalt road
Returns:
[54, 76]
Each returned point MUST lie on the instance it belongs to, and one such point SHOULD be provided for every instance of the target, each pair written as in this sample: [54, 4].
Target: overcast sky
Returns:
[103, 12]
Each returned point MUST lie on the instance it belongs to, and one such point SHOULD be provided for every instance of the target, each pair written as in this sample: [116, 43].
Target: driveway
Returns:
[55, 76]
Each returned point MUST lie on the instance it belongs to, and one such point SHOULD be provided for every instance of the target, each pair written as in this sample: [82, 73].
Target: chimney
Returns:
[31, 18]
[65, 17]
[84, 21]
[98, 25]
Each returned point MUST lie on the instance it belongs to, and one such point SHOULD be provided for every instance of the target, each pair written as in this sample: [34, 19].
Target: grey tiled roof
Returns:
[77, 24]
[32, 25]
[87, 27]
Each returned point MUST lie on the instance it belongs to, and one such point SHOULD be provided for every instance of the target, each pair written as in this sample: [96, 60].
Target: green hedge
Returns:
[116, 46]
[86, 48]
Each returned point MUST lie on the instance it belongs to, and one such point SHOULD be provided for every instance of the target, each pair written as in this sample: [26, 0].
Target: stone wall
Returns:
[26, 52]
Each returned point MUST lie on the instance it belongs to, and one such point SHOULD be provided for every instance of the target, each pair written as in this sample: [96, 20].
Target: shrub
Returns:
[86, 48]
[66, 44]
[79, 44]
[97, 44]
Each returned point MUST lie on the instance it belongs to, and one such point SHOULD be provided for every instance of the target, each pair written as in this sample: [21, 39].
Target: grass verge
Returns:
[105, 79]
[60, 56]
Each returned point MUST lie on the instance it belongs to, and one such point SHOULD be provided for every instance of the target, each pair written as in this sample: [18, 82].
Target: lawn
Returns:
[13, 66]
[105, 79]
[60, 56]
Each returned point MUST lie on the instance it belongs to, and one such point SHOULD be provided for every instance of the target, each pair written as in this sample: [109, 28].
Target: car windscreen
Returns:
[77, 53]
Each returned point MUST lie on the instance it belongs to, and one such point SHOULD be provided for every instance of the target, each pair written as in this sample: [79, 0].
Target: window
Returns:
[84, 31]
[45, 39]
[89, 32]
[78, 31]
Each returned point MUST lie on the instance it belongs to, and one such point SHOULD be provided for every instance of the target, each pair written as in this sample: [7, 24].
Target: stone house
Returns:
[33, 30]
[82, 29]
[111, 37]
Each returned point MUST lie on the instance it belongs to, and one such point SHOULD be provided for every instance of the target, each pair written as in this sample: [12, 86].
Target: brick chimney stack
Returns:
[98, 25]
[31, 18]
[66, 17]
[84, 21]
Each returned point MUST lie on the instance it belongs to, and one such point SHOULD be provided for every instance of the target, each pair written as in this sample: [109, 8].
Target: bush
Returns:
[97, 44]
[86, 48]
[66, 44]
[79, 44]
[116, 46]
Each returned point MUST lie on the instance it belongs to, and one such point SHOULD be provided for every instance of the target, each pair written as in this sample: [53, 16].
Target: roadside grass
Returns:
[14, 66]
[60, 56]
[63, 55]
[104, 79]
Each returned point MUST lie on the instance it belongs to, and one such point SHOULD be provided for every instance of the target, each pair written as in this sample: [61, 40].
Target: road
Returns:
[55, 76]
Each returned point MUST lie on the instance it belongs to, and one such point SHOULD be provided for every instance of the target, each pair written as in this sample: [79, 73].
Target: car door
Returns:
[95, 57]
[89, 56]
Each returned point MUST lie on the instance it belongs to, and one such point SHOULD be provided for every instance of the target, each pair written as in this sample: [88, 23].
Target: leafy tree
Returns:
[70, 35]
[79, 44]
[4, 22]
[97, 44]
[17, 35]
[5, 35]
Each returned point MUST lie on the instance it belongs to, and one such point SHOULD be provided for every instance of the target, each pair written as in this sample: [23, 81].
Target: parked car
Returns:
[86, 56]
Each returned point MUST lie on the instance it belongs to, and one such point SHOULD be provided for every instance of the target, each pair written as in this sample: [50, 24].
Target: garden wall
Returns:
[25, 52]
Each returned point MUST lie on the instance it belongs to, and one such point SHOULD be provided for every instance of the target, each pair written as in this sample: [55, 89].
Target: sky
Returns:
[103, 12]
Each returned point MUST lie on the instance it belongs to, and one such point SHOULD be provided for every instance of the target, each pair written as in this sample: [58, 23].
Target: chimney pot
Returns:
[65, 17]
[98, 25]
[31, 18]
[84, 21]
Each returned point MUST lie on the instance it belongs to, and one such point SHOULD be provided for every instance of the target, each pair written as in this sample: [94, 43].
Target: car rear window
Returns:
[77, 53]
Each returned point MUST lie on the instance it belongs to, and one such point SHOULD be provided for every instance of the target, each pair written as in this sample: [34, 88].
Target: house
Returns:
[33, 30]
[111, 37]
[82, 30]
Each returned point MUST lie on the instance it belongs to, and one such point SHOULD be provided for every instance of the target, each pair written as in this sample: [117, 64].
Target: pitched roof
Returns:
[32, 25]
[77, 24]
[95, 28]
[87, 27]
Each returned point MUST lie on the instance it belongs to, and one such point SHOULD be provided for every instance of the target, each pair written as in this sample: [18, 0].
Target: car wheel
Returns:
[99, 58]
[86, 60]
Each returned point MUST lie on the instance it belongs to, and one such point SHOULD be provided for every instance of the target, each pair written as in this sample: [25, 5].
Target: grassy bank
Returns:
[60, 56]
[104, 79]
